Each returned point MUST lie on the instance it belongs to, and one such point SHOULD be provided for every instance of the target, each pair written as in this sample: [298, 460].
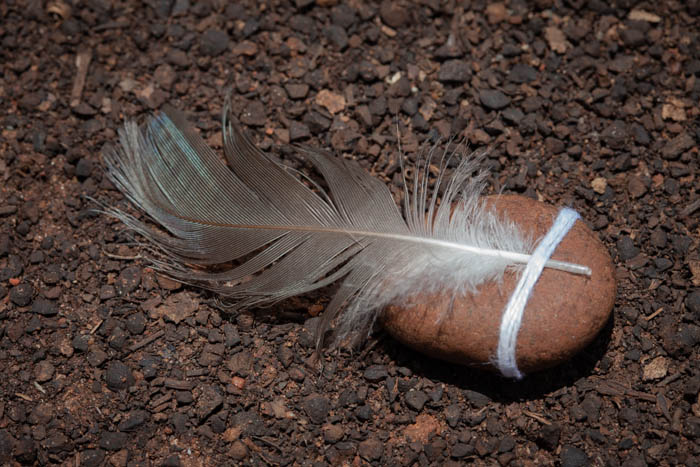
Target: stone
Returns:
[316, 407]
[572, 456]
[208, 402]
[496, 12]
[254, 114]
[522, 73]
[456, 71]
[564, 313]
[92, 458]
[21, 294]
[626, 248]
[393, 15]
[113, 440]
[134, 420]
[333, 102]
[556, 39]
[298, 131]
[44, 307]
[376, 373]
[128, 280]
[337, 36]
[333, 433]
[44, 371]
[118, 376]
[615, 134]
[677, 146]
[655, 369]
[416, 399]
[371, 449]
[214, 42]
[493, 99]
[177, 307]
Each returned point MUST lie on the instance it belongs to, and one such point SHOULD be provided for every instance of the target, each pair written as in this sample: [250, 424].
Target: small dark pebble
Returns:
[506, 444]
[316, 408]
[461, 450]
[36, 257]
[44, 371]
[477, 399]
[52, 275]
[84, 168]
[285, 355]
[297, 91]
[363, 413]
[184, 397]
[4, 245]
[343, 15]
[208, 401]
[117, 338]
[333, 433]
[456, 71]
[172, 460]
[493, 99]
[136, 323]
[393, 14]
[512, 115]
[80, 342]
[615, 134]
[453, 413]
[376, 373]
[626, 248]
[691, 427]
[371, 449]
[298, 131]
[92, 458]
[572, 456]
[337, 36]
[522, 73]
[677, 146]
[7, 210]
[21, 294]
[214, 42]
[254, 114]
[128, 280]
[663, 264]
[56, 442]
[133, 421]
[113, 440]
[179, 421]
[231, 336]
[693, 302]
[107, 292]
[118, 376]
[416, 399]
[549, 436]
[44, 307]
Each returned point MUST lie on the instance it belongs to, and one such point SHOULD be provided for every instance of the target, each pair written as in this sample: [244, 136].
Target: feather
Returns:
[277, 238]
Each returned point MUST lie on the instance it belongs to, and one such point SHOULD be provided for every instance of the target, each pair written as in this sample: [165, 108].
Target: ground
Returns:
[588, 104]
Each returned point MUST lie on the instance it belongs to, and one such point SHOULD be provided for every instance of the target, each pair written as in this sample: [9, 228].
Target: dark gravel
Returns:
[586, 104]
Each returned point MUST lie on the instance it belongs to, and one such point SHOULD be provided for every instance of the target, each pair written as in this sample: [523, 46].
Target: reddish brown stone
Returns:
[563, 315]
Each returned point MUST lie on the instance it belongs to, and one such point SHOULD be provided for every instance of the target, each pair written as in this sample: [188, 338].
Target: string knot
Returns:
[513, 314]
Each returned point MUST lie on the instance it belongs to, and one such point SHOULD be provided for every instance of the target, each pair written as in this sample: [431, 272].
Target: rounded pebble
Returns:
[563, 315]
[118, 376]
[21, 294]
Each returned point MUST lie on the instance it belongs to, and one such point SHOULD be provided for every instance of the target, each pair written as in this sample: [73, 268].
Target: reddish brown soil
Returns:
[587, 104]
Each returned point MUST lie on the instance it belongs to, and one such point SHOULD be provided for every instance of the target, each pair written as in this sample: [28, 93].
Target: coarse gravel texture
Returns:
[592, 104]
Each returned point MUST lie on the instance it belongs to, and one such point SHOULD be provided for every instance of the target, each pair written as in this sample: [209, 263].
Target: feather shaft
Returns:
[288, 239]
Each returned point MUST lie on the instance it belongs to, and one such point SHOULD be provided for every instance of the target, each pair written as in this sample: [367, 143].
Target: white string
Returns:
[513, 314]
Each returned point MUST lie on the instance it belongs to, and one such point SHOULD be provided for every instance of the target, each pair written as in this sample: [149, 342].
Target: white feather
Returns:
[286, 239]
